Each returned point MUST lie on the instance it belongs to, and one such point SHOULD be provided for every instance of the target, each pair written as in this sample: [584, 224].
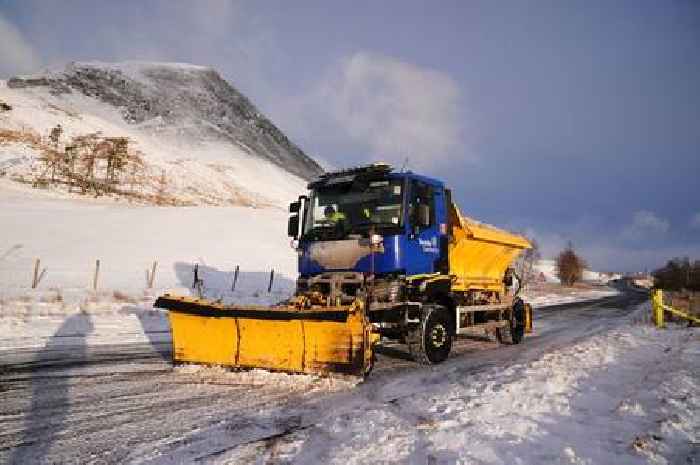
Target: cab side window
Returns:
[421, 206]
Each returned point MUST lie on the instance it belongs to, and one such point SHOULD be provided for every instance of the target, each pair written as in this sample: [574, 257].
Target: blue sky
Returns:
[568, 120]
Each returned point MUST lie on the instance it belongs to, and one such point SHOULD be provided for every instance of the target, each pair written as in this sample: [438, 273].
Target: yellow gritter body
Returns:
[480, 254]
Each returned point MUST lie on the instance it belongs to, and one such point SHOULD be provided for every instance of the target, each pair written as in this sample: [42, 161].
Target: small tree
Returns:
[55, 135]
[569, 266]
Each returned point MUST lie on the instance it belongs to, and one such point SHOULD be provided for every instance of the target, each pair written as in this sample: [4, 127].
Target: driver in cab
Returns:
[332, 215]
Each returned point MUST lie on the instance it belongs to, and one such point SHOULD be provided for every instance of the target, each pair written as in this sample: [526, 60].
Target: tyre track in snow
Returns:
[113, 404]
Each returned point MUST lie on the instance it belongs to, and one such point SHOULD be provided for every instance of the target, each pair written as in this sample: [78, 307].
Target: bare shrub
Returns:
[569, 266]
[92, 163]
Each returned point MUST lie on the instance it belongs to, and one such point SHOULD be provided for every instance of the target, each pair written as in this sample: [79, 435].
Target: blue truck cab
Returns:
[346, 210]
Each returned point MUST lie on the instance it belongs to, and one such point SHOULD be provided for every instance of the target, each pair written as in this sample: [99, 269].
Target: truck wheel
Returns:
[431, 341]
[515, 331]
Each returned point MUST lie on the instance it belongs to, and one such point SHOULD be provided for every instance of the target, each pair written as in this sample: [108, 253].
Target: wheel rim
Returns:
[438, 336]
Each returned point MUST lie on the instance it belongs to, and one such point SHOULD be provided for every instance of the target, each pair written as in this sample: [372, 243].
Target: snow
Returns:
[593, 384]
[134, 68]
[70, 235]
[130, 67]
[257, 377]
[629, 395]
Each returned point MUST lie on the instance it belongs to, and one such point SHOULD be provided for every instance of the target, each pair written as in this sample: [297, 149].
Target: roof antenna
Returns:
[405, 163]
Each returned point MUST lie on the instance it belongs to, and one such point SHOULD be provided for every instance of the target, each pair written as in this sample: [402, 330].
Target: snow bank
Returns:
[127, 325]
[547, 298]
[629, 395]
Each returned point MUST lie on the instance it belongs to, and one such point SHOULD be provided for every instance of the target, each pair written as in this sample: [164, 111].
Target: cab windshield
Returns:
[336, 211]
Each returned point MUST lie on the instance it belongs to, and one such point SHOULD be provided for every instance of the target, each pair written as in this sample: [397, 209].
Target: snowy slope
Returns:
[190, 127]
[69, 235]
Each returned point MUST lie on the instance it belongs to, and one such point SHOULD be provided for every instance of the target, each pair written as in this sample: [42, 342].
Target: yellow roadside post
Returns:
[657, 301]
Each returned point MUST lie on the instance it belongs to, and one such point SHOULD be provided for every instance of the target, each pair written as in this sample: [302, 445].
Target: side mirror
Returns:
[293, 226]
[423, 215]
[294, 207]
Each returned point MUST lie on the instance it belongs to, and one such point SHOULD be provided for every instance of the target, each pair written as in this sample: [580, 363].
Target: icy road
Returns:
[594, 384]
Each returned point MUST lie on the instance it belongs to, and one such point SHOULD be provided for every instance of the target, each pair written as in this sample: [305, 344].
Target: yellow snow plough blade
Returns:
[285, 338]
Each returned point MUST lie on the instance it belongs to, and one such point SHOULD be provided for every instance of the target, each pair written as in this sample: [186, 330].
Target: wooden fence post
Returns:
[97, 275]
[37, 277]
[198, 284]
[272, 278]
[235, 279]
[36, 273]
[151, 276]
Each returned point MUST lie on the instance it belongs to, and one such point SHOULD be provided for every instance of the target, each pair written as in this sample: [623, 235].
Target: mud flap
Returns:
[528, 318]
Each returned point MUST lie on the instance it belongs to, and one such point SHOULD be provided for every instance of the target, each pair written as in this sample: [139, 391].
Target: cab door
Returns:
[423, 235]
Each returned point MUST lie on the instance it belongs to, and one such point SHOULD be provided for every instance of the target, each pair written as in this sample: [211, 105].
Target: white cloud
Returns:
[639, 245]
[393, 109]
[16, 55]
[695, 221]
[645, 224]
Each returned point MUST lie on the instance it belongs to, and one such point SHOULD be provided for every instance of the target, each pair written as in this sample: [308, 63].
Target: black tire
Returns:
[514, 332]
[431, 341]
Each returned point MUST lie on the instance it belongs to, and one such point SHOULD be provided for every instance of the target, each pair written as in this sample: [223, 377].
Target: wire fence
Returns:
[25, 275]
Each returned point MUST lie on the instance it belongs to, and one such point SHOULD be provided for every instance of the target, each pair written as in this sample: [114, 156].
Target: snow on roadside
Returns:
[627, 396]
[39, 319]
[52, 317]
[539, 299]
[68, 236]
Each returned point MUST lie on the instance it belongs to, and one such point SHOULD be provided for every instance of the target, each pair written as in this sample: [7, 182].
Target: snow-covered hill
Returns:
[197, 140]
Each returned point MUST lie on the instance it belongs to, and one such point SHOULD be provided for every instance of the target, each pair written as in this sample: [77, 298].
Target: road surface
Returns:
[124, 403]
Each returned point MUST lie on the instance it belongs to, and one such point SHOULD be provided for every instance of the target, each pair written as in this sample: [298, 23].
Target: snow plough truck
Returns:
[382, 255]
